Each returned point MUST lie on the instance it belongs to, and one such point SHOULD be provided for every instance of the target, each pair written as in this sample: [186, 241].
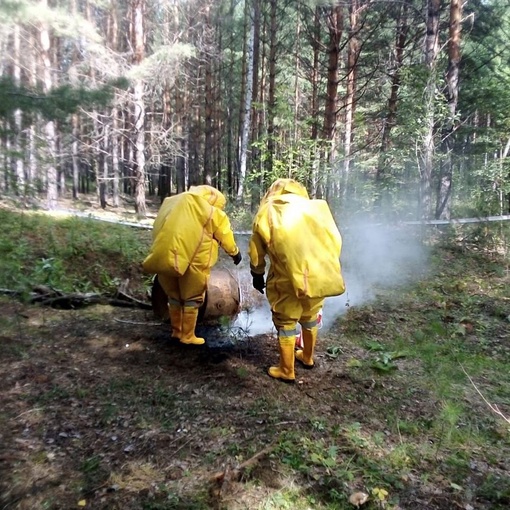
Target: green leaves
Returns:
[57, 104]
[384, 360]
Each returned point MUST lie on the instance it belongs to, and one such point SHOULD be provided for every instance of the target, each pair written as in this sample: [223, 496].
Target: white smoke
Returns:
[374, 257]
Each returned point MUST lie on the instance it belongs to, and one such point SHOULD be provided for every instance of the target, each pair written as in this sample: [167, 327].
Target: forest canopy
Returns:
[390, 107]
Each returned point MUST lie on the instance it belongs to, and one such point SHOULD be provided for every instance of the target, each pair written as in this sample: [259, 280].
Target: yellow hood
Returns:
[212, 195]
[285, 186]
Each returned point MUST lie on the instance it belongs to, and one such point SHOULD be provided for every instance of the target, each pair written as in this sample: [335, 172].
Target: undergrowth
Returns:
[71, 254]
[400, 411]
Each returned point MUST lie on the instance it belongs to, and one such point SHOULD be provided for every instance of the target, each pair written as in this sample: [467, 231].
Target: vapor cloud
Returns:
[374, 257]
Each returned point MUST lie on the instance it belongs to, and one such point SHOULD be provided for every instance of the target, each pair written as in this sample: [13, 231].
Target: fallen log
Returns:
[55, 298]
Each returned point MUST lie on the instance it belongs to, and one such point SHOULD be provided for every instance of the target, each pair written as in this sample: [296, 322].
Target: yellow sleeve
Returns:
[222, 232]
[257, 252]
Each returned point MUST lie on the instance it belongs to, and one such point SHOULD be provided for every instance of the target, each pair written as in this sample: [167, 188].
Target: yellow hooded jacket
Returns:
[187, 231]
[302, 241]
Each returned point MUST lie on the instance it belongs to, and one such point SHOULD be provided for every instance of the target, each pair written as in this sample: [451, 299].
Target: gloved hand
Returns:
[237, 258]
[258, 282]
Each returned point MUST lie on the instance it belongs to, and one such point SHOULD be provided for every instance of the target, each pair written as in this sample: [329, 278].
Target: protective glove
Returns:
[258, 282]
[237, 258]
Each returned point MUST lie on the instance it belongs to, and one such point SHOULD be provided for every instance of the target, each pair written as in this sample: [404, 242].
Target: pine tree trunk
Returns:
[315, 150]
[18, 144]
[75, 155]
[443, 207]
[258, 114]
[115, 158]
[209, 100]
[271, 99]
[335, 29]
[350, 95]
[182, 150]
[427, 155]
[49, 127]
[389, 122]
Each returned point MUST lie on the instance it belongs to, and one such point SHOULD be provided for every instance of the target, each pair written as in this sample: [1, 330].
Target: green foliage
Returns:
[58, 103]
[294, 161]
[496, 489]
[240, 218]
[68, 254]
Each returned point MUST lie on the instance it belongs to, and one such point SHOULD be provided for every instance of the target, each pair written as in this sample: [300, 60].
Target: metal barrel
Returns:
[222, 298]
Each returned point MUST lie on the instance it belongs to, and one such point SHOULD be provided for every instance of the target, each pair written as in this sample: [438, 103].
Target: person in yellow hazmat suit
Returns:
[187, 232]
[302, 241]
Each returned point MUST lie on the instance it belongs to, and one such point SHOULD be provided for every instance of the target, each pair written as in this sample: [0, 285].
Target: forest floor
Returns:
[100, 409]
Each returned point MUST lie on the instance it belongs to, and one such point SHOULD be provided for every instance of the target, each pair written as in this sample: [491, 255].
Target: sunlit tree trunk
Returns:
[18, 145]
[243, 157]
[443, 207]
[49, 127]
[139, 107]
[34, 119]
[427, 151]
[75, 155]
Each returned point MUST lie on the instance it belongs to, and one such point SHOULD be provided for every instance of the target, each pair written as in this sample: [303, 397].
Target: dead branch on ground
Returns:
[55, 298]
[223, 479]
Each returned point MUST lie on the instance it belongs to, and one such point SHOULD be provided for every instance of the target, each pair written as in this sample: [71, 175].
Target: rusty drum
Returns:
[222, 298]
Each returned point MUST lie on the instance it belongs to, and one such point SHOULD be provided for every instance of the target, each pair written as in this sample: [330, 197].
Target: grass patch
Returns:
[71, 254]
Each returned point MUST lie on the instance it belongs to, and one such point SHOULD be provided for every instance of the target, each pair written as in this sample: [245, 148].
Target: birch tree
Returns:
[248, 97]
[137, 34]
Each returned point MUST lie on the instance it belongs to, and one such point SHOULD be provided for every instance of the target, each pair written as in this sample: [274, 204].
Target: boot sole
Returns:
[305, 366]
[286, 381]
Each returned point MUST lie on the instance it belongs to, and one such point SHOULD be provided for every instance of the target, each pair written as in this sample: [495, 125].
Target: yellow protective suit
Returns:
[187, 232]
[304, 245]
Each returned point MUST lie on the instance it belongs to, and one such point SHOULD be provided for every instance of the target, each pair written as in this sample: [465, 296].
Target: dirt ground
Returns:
[100, 409]
[101, 401]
